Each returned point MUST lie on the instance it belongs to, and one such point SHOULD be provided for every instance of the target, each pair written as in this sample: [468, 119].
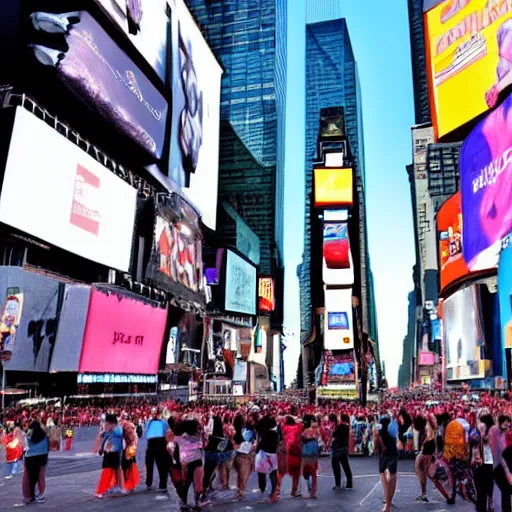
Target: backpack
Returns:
[310, 448]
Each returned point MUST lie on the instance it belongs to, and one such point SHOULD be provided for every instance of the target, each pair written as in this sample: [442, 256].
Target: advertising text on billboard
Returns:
[467, 58]
[240, 285]
[486, 186]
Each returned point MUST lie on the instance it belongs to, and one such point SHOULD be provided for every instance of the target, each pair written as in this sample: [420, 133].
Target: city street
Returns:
[72, 479]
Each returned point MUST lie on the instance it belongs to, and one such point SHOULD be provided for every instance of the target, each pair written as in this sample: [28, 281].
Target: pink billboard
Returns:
[122, 335]
[426, 358]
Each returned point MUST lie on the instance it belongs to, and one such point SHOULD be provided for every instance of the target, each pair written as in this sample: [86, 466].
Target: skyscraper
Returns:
[249, 37]
[322, 10]
[331, 80]
[419, 67]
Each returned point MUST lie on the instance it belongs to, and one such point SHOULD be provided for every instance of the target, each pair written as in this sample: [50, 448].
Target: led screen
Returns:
[122, 334]
[449, 229]
[333, 187]
[336, 246]
[464, 338]
[338, 332]
[196, 78]
[467, 59]
[240, 286]
[68, 199]
[486, 186]
[505, 295]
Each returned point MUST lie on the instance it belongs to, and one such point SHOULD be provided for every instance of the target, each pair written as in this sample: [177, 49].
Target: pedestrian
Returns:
[424, 458]
[310, 449]
[482, 463]
[386, 443]
[109, 444]
[156, 452]
[36, 459]
[245, 451]
[129, 459]
[266, 457]
[13, 450]
[339, 451]
[292, 432]
[502, 460]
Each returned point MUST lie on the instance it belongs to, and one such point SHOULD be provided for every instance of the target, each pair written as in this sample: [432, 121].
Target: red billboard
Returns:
[266, 295]
[449, 229]
[122, 334]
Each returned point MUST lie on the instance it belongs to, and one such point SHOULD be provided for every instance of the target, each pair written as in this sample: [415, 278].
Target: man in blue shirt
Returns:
[156, 451]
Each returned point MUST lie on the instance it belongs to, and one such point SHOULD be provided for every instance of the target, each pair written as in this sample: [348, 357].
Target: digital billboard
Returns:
[267, 295]
[122, 335]
[56, 192]
[449, 230]
[101, 76]
[146, 24]
[333, 187]
[340, 368]
[196, 77]
[336, 246]
[505, 295]
[486, 187]
[464, 334]
[240, 285]
[467, 59]
[338, 330]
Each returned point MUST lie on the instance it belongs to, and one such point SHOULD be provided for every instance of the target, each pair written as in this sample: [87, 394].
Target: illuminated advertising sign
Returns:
[115, 378]
[75, 203]
[196, 79]
[122, 335]
[106, 80]
[267, 295]
[240, 285]
[505, 295]
[336, 246]
[146, 24]
[426, 358]
[486, 186]
[338, 331]
[467, 59]
[333, 188]
[449, 229]
[340, 368]
[464, 335]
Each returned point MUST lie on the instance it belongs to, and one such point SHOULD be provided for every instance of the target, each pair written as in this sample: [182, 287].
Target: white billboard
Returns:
[56, 192]
[339, 329]
[196, 77]
[241, 283]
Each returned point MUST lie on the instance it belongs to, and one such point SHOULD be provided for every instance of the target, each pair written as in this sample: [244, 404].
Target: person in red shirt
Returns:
[13, 450]
[292, 437]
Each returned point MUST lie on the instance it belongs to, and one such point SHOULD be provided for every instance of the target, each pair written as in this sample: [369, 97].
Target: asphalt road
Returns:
[72, 479]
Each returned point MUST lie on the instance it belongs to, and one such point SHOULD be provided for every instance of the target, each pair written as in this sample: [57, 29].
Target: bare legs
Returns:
[388, 481]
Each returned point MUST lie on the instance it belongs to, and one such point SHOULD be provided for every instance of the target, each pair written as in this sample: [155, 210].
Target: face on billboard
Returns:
[469, 57]
[505, 295]
[196, 79]
[69, 200]
[240, 285]
[486, 186]
[122, 335]
[145, 22]
[449, 229]
[463, 334]
[333, 187]
[338, 330]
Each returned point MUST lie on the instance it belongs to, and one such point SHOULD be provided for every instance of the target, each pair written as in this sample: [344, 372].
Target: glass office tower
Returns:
[331, 80]
[249, 38]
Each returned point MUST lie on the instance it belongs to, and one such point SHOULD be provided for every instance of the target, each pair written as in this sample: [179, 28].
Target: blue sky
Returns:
[380, 38]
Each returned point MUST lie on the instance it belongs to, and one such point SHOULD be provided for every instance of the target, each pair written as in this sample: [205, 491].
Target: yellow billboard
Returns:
[469, 59]
[333, 187]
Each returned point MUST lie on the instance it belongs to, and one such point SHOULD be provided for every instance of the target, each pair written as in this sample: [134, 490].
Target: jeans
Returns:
[157, 454]
[14, 467]
[340, 458]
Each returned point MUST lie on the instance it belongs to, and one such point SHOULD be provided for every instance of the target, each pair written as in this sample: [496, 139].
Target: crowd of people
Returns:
[461, 443]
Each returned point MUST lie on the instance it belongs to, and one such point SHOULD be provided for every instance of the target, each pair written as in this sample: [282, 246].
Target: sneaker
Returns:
[349, 486]
[40, 498]
[424, 499]
[148, 487]
[162, 496]
[9, 477]
[337, 488]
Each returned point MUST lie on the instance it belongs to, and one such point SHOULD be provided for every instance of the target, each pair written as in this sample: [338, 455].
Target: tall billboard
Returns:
[464, 335]
[196, 77]
[123, 334]
[338, 329]
[146, 24]
[338, 265]
[334, 188]
[449, 229]
[56, 192]
[467, 59]
[486, 186]
[505, 297]
[240, 285]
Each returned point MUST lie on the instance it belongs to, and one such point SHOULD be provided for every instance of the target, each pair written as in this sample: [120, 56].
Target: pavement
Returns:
[72, 478]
